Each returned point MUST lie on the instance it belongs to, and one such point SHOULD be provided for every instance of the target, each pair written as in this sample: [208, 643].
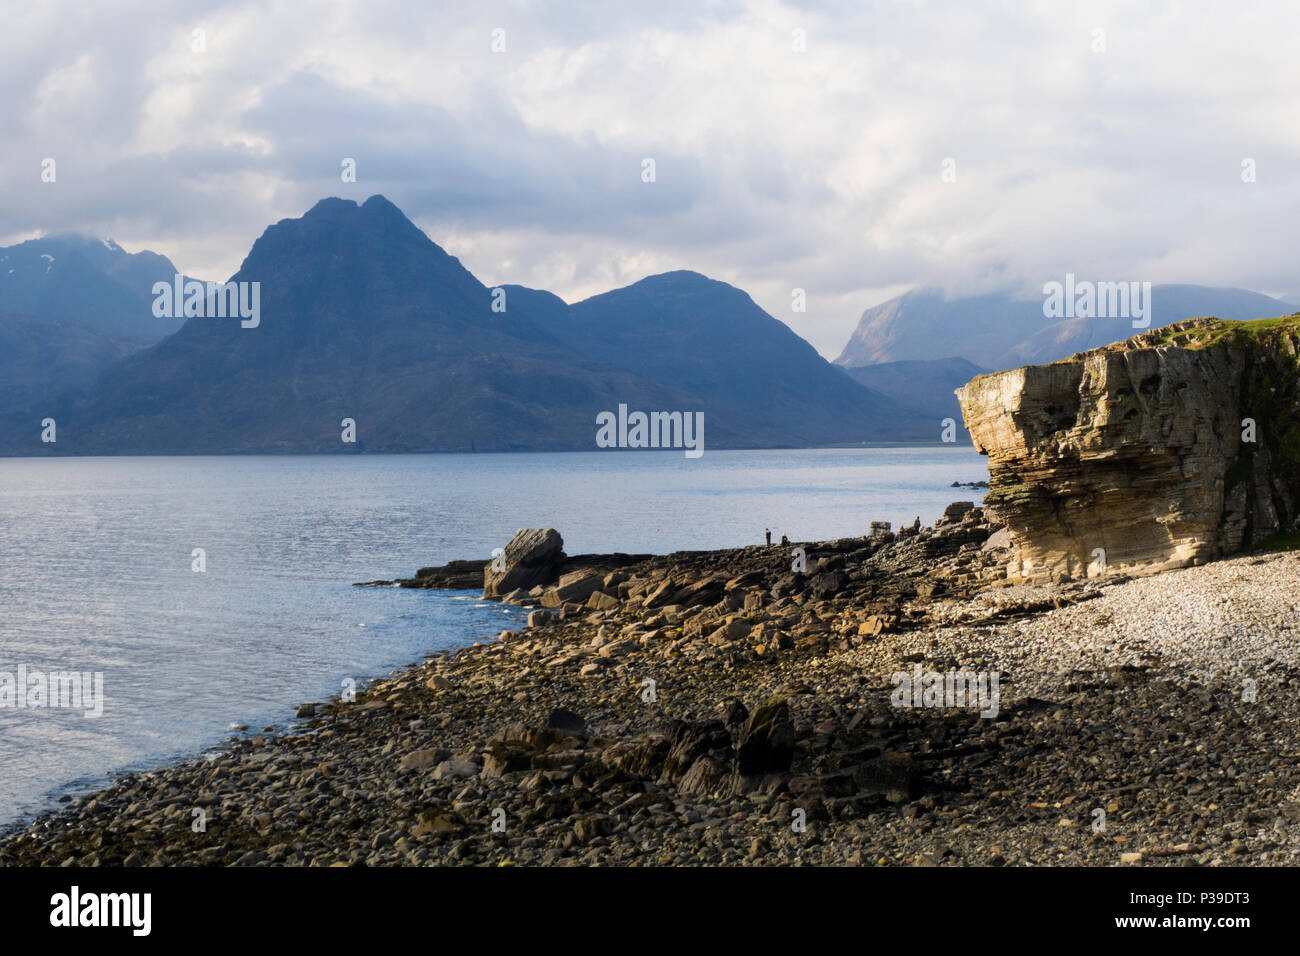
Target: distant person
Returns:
[769, 536]
[916, 525]
[784, 541]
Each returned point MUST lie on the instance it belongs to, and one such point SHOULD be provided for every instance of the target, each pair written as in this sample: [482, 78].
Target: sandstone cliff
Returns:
[1171, 448]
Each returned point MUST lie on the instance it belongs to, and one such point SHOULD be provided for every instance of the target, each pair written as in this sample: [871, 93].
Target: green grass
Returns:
[1233, 331]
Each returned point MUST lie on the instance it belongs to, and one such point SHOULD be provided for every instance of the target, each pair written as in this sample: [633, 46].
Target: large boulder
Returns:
[533, 557]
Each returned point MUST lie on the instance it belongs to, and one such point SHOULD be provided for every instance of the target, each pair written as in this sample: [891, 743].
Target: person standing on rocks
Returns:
[784, 541]
[769, 536]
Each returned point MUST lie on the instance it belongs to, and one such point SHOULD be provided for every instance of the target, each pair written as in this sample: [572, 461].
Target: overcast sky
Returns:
[1114, 155]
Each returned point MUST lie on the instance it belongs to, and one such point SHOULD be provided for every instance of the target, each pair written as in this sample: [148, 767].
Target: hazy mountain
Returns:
[999, 332]
[41, 358]
[90, 281]
[363, 317]
[710, 339]
[925, 386]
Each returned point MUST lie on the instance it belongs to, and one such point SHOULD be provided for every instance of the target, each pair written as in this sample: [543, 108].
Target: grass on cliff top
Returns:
[1210, 331]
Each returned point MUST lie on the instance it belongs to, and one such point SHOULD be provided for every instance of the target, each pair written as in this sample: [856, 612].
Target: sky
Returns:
[852, 150]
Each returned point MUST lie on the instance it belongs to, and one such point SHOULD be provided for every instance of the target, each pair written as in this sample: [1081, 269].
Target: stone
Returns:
[563, 719]
[432, 822]
[826, 584]
[420, 760]
[533, 557]
[957, 510]
[766, 743]
[728, 633]
[876, 624]
[455, 770]
[591, 826]
[600, 601]
[1134, 452]
[539, 618]
[997, 541]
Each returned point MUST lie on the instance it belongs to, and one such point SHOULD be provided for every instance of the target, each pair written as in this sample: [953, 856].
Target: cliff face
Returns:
[1139, 449]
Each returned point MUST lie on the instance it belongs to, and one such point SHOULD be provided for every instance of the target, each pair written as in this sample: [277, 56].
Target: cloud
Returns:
[776, 167]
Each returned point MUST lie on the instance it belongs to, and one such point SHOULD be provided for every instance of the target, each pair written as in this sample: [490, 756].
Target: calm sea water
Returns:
[96, 571]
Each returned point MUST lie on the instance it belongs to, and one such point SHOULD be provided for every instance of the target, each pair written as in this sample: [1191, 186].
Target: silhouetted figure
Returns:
[916, 525]
[769, 536]
[784, 541]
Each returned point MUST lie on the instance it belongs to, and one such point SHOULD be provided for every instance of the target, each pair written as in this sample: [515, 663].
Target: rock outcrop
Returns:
[1171, 448]
[533, 556]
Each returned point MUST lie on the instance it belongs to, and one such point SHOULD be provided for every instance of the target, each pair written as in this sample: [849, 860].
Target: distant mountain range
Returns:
[70, 307]
[926, 386]
[93, 282]
[999, 332]
[364, 317]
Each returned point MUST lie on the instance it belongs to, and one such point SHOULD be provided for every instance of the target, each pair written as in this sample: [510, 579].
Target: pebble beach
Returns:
[712, 708]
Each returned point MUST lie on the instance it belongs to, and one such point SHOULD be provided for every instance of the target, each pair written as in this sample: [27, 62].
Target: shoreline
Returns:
[770, 710]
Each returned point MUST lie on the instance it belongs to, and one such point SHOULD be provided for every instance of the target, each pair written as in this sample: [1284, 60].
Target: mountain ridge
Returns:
[364, 317]
[999, 331]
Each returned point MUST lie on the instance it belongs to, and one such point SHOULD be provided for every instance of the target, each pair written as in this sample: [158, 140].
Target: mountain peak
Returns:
[380, 203]
[681, 278]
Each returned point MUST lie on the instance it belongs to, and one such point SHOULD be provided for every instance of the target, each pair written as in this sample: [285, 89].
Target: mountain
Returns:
[711, 340]
[91, 281]
[999, 332]
[362, 316]
[926, 386]
[41, 358]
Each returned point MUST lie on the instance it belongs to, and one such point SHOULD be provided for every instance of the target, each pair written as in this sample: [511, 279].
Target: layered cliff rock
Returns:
[1171, 448]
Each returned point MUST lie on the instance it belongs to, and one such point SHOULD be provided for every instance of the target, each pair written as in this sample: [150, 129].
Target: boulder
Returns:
[421, 759]
[455, 770]
[957, 510]
[518, 597]
[735, 631]
[567, 721]
[532, 558]
[600, 601]
[767, 742]
[824, 585]
[576, 586]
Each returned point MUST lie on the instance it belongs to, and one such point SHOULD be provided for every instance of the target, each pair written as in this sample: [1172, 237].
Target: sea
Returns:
[211, 594]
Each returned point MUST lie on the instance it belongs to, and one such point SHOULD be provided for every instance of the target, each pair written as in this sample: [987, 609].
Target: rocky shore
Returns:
[742, 707]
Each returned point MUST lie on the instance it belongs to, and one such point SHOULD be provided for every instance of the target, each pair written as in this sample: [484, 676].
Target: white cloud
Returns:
[776, 168]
